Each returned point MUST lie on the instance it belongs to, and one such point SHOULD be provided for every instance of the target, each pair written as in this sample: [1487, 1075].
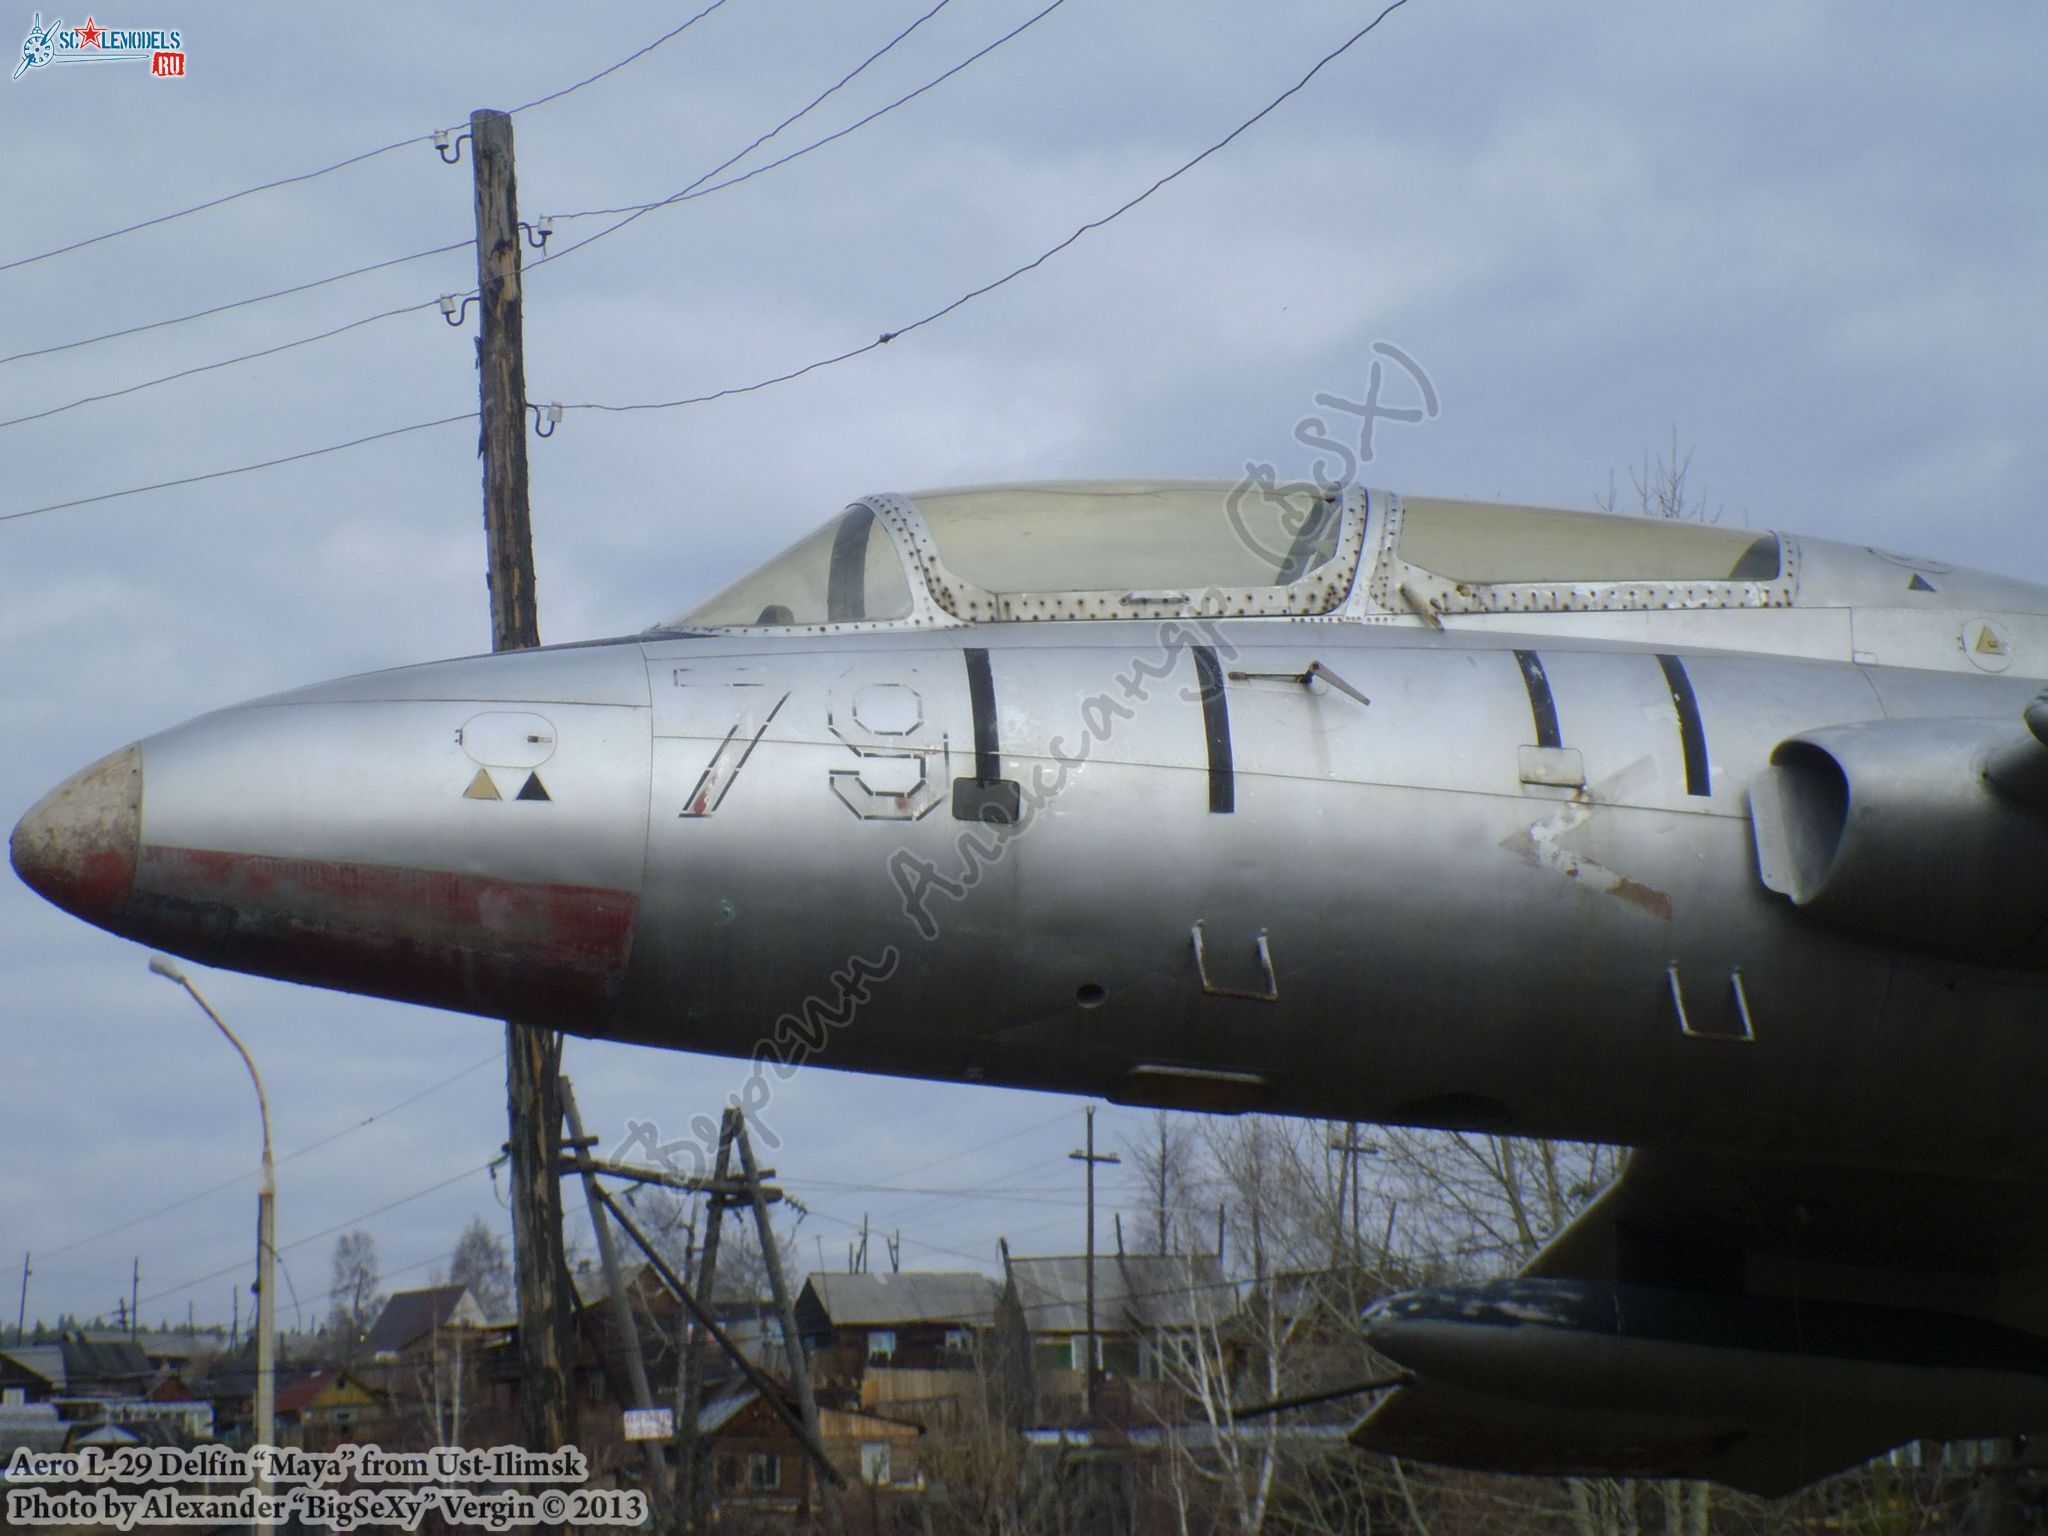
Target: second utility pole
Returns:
[533, 1057]
[1091, 1157]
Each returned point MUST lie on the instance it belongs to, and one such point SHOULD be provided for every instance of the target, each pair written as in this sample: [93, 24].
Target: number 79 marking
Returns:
[748, 727]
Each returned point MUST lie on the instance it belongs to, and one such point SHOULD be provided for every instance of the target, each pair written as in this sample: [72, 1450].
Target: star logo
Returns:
[89, 34]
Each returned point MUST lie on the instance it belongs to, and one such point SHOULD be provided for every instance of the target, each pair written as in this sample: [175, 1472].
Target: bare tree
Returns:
[481, 1263]
[1662, 488]
[1165, 1164]
[665, 1216]
[1483, 1205]
[355, 1297]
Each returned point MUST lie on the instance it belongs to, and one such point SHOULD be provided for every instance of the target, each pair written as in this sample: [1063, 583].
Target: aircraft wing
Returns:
[1759, 1324]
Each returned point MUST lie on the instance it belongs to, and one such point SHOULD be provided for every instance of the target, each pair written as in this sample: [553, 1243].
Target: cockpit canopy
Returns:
[1487, 544]
[1139, 549]
[1101, 550]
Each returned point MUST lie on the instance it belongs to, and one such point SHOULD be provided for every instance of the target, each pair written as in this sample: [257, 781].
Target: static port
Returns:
[1090, 994]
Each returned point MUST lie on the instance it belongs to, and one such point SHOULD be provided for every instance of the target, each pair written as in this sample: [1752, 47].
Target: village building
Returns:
[909, 1344]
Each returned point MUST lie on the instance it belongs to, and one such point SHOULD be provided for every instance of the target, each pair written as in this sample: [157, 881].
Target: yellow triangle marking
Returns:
[481, 787]
[1988, 643]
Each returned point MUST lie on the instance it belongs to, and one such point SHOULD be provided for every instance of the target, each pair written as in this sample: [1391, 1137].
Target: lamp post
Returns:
[266, 1238]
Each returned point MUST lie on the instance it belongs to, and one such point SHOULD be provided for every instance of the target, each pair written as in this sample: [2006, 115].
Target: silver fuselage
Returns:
[1448, 944]
[1392, 890]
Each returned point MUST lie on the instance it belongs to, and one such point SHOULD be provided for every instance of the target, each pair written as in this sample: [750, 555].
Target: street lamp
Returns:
[266, 1234]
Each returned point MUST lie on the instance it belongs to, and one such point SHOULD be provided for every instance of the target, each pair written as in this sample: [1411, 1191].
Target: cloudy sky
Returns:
[1808, 240]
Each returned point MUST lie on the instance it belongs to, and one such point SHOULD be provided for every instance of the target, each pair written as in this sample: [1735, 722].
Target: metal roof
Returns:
[1133, 1292]
[721, 1411]
[910, 1296]
[77, 1363]
[44, 1360]
[412, 1315]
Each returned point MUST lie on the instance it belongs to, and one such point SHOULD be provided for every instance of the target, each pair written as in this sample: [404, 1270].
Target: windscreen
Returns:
[1133, 537]
[847, 572]
[1484, 543]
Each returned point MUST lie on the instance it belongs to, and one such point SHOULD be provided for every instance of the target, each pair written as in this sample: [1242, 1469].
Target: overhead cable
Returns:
[343, 164]
[311, 1146]
[239, 469]
[261, 298]
[637, 53]
[698, 188]
[387, 314]
[1015, 272]
[225, 362]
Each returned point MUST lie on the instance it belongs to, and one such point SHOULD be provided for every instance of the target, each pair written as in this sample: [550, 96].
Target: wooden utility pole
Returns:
[1090, 1157]
[785, 1311]
[501, 385]
[21, 1314]
[533, 1057]
[1349, 1177]
[624, 1317]
[693, 1493]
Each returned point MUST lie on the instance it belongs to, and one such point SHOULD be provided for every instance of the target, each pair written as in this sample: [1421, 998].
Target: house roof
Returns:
[1132, 1292]
[103, 1362]
[410, 1315]
[44, 1360]
[293, 1399]
[80, 1364]
[109, 1434]
[155, 1343]
[231, 1377]
[911, 1296]
[720, 1411]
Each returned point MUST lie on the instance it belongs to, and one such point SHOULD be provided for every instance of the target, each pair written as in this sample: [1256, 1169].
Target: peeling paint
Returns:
[1541, 844]
[76, 847]
[476, 943]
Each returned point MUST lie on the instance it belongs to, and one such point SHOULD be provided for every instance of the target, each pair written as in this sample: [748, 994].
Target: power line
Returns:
[1053, 1119]
[782, 378]
[697, 188]
[221, 309]
[165, 218]
[924, 1209]
[638, 53]
[314, 1237]
[311, 1146]
[1016, 272]
[936, 1198]
[225, 362]
[388, 314]
[343, 164]
[239, 469]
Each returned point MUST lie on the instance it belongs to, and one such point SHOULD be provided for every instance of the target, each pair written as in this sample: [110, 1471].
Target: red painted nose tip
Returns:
[76, 846]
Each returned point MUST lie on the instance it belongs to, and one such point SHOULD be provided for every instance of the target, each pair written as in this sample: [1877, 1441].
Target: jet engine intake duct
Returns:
[1932, 834]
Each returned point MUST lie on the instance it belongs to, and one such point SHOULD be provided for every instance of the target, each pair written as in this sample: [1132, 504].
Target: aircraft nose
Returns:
[77, 845]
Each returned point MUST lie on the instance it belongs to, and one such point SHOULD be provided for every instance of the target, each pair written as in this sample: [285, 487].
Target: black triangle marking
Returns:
[1919, 583]
[533, 789]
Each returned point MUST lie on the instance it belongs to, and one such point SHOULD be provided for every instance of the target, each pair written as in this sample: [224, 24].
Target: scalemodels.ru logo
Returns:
[163, 49]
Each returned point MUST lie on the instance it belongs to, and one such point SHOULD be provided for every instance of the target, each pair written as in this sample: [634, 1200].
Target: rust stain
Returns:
[1649, 898]
[77, 845]
[475, 943]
